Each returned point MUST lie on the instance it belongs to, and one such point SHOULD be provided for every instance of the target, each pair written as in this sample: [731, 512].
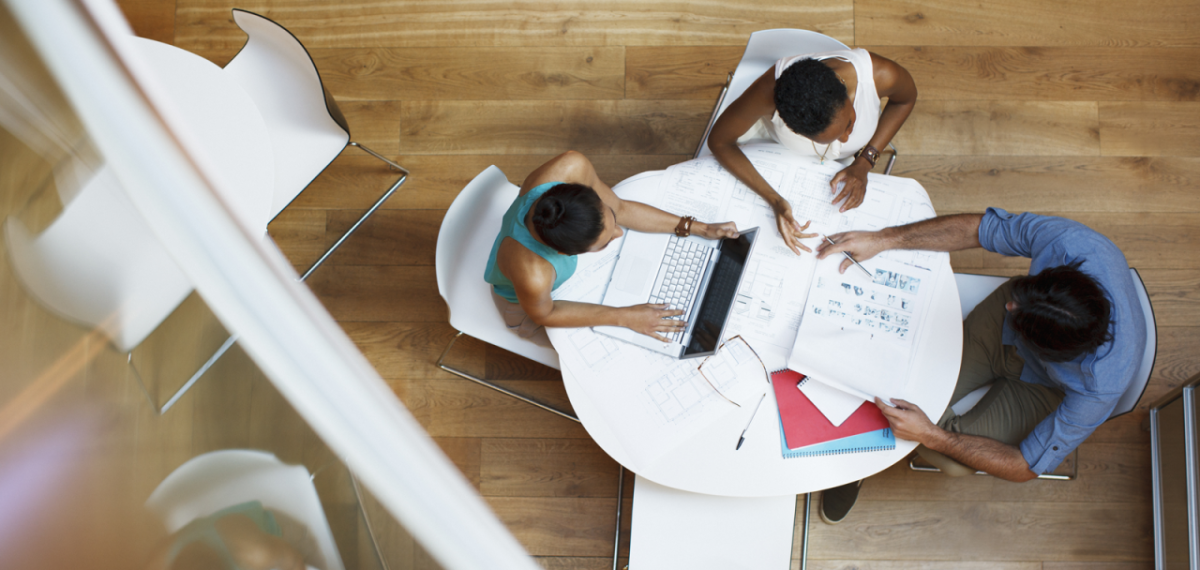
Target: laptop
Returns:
[699, 276]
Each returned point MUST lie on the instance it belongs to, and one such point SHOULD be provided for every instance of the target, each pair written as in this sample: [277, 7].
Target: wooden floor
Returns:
[1085, 109]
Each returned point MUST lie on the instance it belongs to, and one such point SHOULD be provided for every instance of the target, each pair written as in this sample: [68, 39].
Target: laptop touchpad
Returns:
[637, 272]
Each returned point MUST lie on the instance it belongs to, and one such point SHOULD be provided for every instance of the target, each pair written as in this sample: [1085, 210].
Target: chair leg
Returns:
[362, 509]
[804, 537]
[1044, 476]
[441, 364]
[395, 186]
[891, 159]
[620, 499]
[186, 385]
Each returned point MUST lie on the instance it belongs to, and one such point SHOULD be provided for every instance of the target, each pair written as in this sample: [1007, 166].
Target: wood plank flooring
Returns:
[1082, 108]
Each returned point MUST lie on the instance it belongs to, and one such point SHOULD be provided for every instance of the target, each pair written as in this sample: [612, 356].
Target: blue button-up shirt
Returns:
[1094, 382]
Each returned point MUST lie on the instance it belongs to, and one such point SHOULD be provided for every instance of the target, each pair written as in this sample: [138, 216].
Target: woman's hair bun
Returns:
[568, 218]
[548, 213]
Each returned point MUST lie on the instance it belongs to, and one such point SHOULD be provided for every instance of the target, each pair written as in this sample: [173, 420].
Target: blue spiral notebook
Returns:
[878, 440]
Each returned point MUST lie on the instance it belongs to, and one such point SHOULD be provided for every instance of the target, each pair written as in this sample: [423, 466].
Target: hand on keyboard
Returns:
[651, 319]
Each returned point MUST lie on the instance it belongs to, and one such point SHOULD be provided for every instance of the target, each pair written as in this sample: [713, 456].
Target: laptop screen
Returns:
[718, 299]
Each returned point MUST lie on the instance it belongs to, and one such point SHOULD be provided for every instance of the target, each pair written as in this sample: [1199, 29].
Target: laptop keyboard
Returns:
[679, 277]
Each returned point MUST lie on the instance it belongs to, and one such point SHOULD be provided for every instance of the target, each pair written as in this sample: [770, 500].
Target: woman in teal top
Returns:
[242, 537]
[563, 210]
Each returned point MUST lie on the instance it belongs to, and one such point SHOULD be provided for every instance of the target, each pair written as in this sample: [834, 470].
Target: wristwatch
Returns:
[684, 227]
[870, 153]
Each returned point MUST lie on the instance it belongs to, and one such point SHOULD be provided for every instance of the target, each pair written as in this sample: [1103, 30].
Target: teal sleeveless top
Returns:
[205, 530]
[513, 226]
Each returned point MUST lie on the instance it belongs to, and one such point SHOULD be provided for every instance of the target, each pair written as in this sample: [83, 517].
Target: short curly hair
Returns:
[1062, 312]
[807, 96]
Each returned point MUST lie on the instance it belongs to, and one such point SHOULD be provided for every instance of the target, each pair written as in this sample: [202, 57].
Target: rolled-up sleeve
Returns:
[1064, 429]
[1028, 235]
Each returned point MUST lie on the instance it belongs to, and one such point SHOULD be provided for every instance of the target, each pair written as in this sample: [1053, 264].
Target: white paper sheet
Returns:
[835, 404]
[857, 333]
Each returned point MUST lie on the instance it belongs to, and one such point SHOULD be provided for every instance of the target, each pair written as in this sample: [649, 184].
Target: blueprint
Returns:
[655, 403]
[772, 298]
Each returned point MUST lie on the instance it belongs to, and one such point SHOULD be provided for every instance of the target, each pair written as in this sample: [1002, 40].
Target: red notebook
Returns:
[804, 424]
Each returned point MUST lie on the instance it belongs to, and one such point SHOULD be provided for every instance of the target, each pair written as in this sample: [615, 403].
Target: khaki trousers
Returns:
[519, 322]
[1011, 408]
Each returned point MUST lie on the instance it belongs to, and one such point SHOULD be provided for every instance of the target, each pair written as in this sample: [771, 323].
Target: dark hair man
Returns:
[1060, 346]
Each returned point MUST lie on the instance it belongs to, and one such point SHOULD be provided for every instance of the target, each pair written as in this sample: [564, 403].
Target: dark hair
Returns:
[1062, 312]
[569, 218]
[807, 95]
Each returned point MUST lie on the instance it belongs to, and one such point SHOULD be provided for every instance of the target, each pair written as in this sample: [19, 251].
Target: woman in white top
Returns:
[802, 104]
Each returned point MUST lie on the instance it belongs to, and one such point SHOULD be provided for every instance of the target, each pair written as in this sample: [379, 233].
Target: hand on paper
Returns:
[855, 187]
[907, 420]
[791, 231]
[860, 245]
[715, 231]
[651, 319]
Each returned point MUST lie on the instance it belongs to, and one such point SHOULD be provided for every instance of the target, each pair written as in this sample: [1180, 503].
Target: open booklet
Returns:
[858, 333]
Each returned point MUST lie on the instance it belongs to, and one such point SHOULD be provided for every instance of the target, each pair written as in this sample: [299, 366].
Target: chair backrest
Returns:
[762, 51]
[213, 481]
[974, 288]
[307, 130]
[1136, 388]
[464, 244]
[99, 265]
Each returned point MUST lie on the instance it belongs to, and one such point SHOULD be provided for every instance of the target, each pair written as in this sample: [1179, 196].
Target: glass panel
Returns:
[1174, 485]
[91, 475]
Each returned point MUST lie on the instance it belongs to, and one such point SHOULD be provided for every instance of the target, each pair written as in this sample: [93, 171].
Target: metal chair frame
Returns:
[441, 363]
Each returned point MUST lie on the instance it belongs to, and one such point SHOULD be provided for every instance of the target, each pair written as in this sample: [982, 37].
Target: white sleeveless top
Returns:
[866, 107]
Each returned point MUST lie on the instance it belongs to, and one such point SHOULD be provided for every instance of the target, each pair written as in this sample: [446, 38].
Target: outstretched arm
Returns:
[757, 102]
[943, 233]
[896, 84]
[533, 279]
[574, 167]
[981, 453]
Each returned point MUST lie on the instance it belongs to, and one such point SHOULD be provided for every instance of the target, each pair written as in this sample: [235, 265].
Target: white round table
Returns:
[708, 462]
[220, 126]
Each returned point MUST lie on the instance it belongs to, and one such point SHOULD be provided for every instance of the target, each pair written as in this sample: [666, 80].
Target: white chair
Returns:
[213, 481]
[762, 51]
[673, 529]
[100, 266]
[464, 244]
[307, 129]
[463, 247]
[973, 289]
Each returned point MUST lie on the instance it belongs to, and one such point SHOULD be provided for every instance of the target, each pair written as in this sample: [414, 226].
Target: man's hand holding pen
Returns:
[861, 246]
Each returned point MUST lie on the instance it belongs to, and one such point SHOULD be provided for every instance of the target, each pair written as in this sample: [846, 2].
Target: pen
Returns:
[742, 438]
[847, 254]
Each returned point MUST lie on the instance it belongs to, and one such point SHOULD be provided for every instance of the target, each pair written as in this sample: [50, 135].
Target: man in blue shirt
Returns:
[1059, 345]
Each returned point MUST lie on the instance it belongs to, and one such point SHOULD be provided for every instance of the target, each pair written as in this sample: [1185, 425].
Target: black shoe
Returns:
[837, 502]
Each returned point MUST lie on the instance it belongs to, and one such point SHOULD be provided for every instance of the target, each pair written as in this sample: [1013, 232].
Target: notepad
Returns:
[803, 424]
[878, 440]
